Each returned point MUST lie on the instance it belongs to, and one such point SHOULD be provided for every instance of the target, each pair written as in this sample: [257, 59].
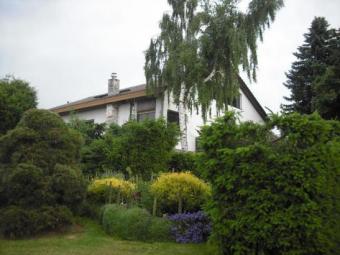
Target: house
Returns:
[120, 105]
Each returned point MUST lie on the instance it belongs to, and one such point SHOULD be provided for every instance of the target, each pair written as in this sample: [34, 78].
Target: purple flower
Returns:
[190, 227]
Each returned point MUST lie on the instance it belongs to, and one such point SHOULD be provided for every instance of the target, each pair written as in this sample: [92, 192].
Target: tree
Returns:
[40, 180]
[201, 47]
[16, 96]
[274, 194]
[314, 78]
[135, 149]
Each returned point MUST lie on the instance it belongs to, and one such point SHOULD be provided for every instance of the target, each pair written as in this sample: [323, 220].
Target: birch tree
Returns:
[202, 46]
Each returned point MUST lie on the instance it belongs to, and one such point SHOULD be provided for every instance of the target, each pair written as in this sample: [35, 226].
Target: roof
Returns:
[138, 92]
[102, 99]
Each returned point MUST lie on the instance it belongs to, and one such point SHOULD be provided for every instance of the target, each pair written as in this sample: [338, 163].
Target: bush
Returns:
[18, 222]
[100, 190]
[274, 194]
[182, 189]
[135, 149]
[180, 161]
[134, 224]
[39, 174]
[190, 227]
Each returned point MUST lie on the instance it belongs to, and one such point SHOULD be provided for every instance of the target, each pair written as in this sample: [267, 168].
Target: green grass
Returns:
[91, 240]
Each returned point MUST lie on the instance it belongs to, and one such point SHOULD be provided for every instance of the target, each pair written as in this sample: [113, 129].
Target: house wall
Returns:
[96, 114]
[194, 119]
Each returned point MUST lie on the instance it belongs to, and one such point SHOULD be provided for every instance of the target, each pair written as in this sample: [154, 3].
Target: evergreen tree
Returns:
[326, 88]
[16, 97]
[313, 78]
[201, 47]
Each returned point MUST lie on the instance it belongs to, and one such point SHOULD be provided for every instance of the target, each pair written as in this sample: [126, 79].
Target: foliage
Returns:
[89, 130]
[99, 190]
[190, 227]
[202, 46]
[88, 238]
[184, 189]
[134, 224]
[39, 169]
[135, 149]
[16, 96]
[180, 161]
[314, 78]
[274, 195]
[18, 222]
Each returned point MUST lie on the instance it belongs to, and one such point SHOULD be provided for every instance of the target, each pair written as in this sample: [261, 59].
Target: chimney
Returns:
[113, 85]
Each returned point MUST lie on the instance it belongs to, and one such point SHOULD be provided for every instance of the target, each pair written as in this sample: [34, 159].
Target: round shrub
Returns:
[100, 190]
[134, 224]
[184, 189]
[128, 224]
[39, 175]
[160, 230]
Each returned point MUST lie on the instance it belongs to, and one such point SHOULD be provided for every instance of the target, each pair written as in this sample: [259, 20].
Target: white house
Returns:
[120, 105]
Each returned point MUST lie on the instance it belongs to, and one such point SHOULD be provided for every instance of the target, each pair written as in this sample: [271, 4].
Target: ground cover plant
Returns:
[274, 194]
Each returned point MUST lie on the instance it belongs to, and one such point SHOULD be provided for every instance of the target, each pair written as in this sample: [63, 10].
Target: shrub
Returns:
[39, 170]
[135, 149]
[159, 230]
[134, 224]
[180, 161]
[100, 190]
[274, 195]
[183, 189]
[190, 227]
[18, 222]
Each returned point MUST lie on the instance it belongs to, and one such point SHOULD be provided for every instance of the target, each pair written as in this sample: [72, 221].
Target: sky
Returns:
[67, 49]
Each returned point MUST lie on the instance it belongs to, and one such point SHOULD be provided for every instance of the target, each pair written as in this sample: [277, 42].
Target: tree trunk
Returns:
[182, 119]
[154, 207]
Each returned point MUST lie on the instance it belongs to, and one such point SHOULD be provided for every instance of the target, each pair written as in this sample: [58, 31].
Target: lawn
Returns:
[91, 240]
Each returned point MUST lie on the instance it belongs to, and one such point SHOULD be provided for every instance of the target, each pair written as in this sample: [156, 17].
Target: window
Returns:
[237, 102]
[146, 109]
[173, 117]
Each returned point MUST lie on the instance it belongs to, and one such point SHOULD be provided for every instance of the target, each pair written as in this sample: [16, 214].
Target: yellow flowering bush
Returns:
[184, 188]
[118, 189]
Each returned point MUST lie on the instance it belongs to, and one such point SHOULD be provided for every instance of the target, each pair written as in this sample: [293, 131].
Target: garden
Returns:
[267, 188]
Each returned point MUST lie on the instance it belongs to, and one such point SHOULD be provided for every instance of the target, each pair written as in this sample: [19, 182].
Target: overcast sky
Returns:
[67, 49]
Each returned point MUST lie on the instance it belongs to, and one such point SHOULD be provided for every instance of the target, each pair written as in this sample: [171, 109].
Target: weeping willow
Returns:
[202, 47]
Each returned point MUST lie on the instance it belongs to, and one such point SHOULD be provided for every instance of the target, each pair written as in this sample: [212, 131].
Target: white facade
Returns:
[248, 112]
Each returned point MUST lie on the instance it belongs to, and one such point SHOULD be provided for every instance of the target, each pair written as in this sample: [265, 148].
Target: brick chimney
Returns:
[113, 85]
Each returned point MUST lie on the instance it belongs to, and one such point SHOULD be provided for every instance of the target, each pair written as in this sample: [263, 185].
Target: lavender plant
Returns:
[190, 227]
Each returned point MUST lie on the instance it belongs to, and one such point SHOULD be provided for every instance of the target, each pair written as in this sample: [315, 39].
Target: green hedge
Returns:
[18, 222]
[134, 224]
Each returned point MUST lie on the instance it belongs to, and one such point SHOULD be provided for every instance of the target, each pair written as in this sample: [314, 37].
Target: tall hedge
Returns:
[39, 169]
[274, 194]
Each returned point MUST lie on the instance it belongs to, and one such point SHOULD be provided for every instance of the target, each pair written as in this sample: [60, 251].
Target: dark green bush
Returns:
[135, 149]
[18, 222]
[39, 174]
[183, 161]
[274, 194]
[134, 224]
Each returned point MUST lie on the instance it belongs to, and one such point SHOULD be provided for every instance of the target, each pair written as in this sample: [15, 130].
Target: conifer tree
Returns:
[314, 78]
[200, 50]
